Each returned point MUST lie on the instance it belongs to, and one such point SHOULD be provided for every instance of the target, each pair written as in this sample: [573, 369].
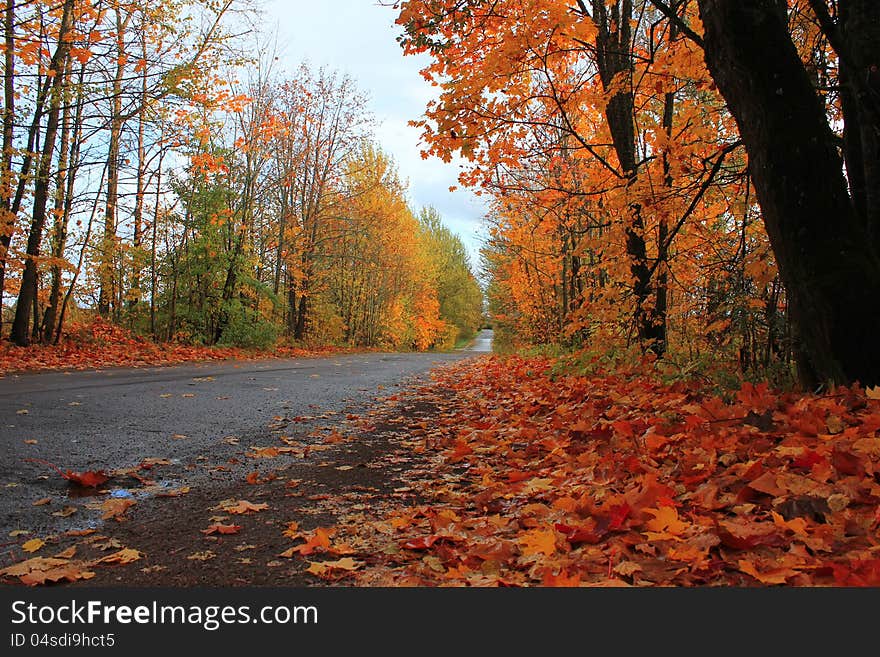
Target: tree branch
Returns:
[686, 29]
[693, 205]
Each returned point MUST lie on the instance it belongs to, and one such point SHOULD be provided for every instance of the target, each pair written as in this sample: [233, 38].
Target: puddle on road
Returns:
[154, 489]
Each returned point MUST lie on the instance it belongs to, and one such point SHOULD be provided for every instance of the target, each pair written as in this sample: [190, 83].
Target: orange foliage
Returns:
[622, 479]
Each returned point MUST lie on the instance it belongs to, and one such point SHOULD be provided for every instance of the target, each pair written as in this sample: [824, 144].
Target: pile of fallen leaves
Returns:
[99, 343]
[622, 480]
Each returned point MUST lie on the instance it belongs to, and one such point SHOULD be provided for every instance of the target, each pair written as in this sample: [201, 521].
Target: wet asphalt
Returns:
[189, 414]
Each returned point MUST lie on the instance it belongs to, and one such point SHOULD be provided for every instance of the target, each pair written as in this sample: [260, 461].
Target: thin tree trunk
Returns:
[63, 192]
[7, 217]
[106, 267]
[27, 293]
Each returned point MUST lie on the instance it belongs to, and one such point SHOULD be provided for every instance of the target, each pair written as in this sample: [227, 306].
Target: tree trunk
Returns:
[107, 267]
[7, 218]
[27, 296]
[825, 258]
[614, 57]
[63, 193]
[860, 95]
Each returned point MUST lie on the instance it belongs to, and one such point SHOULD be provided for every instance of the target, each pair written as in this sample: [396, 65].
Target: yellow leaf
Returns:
[325, 568]
[125, 555]
[318, 569]
[873, 392]
[33, 545]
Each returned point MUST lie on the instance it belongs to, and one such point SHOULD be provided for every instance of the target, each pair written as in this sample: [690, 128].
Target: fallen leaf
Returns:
[263, 453]
[173, 492]
[772, 576]
[79, 532]
[325, 568]
[665, 520]
[33, 545]
[243, 507]
[202, 556]
[220, 528]
[40, 570]
[65, 512]
[422, 543]
[124, 556]
[318, 541]
[538, 541]
[88, 479]
[116, 508]
[42, 501]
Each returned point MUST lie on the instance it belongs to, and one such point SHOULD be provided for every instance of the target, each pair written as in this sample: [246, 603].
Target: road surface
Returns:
[188, 415]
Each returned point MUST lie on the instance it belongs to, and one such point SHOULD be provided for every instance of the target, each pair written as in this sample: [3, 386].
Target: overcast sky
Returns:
[358, 37]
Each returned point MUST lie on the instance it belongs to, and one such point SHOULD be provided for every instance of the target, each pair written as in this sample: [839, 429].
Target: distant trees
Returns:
[141, 178]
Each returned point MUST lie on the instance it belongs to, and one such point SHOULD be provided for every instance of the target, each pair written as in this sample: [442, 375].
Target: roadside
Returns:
[99, 345]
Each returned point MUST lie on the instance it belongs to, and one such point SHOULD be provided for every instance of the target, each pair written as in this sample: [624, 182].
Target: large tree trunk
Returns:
[860, 95]
[827, 262]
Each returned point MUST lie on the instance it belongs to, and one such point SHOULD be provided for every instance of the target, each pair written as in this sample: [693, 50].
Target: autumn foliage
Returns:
[624, 479]
[160, 175]
[624, 209]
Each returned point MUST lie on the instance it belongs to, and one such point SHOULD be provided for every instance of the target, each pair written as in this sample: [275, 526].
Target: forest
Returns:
[681, 271]
[658, 189]
[160, 176]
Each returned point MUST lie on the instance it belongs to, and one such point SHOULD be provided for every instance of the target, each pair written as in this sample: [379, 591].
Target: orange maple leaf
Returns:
[538, 541]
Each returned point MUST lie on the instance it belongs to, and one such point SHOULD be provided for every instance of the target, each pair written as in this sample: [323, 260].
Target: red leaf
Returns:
[846, 463]
[423, 543]
[618, 515]
[89, 478]
[583, 534]
[807, 460]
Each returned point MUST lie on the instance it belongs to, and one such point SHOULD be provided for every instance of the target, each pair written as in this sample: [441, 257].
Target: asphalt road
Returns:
[189, 415]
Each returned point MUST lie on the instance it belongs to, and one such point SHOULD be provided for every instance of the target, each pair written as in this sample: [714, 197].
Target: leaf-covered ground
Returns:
[98, 344]
[621, 480]
[500, 473]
